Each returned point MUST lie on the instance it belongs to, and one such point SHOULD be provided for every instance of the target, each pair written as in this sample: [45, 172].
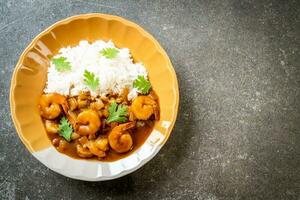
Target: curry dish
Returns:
[100, 108]
[93, 136]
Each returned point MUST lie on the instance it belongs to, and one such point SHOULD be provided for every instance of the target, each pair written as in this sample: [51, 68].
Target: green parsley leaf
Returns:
[65, 129]
[109, 52]
[142, 84]
[117, 113]
[90, 80]
[61, 64]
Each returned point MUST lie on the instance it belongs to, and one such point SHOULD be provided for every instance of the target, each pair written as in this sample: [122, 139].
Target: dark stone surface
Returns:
[238, 131]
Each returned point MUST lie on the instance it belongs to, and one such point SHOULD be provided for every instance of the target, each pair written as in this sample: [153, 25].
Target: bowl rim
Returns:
[86, 16]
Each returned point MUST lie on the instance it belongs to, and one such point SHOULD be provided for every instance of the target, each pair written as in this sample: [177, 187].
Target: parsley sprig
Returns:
[65, 129]
[61, 64]
[91, 80]
[117, 113]
[109, 53]
[143, 85]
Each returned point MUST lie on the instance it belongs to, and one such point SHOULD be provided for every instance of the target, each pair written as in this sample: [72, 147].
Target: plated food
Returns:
[97, 103]
[35, 79]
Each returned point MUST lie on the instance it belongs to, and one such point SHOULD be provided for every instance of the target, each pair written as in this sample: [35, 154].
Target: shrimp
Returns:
[51, 127]
[98, 146]
[83, 152]
[73, 103]
[143, 107]
[71, 115]
[50, 105]
[120, 139]
[88, 122]
[102, 143]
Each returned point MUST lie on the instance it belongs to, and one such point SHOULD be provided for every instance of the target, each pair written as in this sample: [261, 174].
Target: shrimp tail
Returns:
[72, 120]
[69, 116]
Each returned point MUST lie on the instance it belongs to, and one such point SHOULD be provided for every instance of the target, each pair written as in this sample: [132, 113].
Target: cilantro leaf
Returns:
[90, 80]
[117, 113]
[65, 129]
[109, 52]
[142, 84]
[61, 64]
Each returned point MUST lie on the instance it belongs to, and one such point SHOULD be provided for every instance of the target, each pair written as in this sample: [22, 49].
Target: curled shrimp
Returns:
[50, 105]
[143, 107]
[51, 127]
[82, 149]
[120, 139]
[98, 146]
[83, 152]
[88, 122]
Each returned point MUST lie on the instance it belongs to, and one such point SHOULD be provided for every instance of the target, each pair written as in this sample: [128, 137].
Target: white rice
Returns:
[114, 74]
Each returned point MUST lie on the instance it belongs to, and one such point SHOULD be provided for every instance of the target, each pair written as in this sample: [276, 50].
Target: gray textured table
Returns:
[237, 135]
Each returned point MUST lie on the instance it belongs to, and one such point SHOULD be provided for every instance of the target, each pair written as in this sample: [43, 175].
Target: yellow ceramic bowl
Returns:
[30, 76]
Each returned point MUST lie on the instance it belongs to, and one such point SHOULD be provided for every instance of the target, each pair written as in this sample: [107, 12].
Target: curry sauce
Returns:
[99, 128]
[139, 135]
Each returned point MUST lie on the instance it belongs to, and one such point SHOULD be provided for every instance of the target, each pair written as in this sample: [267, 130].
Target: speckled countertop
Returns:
[237, 135]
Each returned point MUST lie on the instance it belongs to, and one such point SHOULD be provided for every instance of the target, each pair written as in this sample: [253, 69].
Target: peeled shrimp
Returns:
[98, 146]
[120, 139]
[83, 152]
[51, 127]
[143, 107]
[88, 122]
[50, 105]
[102, 143]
